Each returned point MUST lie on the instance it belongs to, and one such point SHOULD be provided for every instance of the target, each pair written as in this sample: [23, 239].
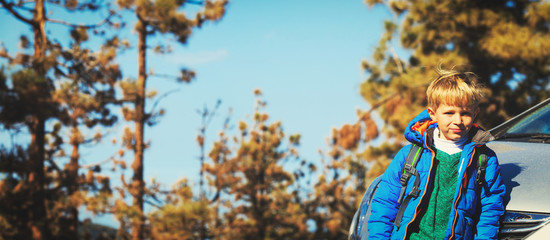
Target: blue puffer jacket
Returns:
[476, 211]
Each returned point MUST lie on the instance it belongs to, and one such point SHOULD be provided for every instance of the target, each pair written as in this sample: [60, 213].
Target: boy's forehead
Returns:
[468, 107]
[454, 100]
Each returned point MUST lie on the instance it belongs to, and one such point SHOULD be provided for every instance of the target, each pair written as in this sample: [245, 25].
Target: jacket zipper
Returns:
[464, 181]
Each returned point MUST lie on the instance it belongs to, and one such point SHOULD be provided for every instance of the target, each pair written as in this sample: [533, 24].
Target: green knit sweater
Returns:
[433, 221]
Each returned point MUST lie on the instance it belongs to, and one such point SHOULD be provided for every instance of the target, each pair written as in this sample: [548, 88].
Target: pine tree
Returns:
[347, 170]
[253, 191]
[183, 216]
[29, 102]
[39, 110]
[503, 42]
[156, 17]
[85, 96]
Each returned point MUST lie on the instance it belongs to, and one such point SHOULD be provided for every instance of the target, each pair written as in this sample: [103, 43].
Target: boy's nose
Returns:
[457, 119]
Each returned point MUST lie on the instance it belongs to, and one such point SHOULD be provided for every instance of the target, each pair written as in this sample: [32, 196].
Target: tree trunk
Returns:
[38, 223]
[138, 185]
[72, 182]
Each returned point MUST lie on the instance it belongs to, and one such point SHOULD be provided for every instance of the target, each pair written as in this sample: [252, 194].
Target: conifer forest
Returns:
[64, 94]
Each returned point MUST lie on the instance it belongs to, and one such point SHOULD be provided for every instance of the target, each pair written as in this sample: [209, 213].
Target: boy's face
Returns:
[454, 122]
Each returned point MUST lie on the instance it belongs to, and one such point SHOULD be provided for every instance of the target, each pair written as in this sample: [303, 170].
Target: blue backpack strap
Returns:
[482, 160]
[409, 168]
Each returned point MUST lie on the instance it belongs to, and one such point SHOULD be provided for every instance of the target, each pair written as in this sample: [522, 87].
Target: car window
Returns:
[536, 122]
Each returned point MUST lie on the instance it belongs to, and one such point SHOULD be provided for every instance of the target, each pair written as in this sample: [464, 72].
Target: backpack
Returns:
[358, 228]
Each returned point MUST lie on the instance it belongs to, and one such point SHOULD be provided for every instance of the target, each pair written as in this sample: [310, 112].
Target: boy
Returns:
[450, 204]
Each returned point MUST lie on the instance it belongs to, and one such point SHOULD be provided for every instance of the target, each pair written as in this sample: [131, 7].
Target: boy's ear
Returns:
[431, 111]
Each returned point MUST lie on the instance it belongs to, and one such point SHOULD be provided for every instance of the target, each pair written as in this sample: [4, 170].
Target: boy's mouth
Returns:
[456, 130]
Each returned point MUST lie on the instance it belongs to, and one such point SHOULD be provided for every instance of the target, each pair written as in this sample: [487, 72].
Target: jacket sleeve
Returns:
[492, 205]
[384, 204]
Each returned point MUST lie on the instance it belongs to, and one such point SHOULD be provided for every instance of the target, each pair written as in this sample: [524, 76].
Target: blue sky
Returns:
[304, 55]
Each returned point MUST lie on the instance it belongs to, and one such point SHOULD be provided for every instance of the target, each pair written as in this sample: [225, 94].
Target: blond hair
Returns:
[454, 88]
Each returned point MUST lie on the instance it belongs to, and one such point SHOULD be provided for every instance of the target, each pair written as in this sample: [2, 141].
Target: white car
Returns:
[523, 149]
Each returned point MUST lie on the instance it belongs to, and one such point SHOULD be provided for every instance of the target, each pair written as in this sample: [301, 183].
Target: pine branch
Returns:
[92, 165]
[206, 119]
[88, 26]
[164, 76]
[200, 3]
[388, 98]
[216, 197]
[396, 59]
[160, 98]
[20, 3]
[152, 204]
[10, 8]
[20, 6]
[54, 165]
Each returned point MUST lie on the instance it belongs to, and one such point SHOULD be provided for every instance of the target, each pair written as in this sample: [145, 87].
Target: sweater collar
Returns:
[449, 146]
